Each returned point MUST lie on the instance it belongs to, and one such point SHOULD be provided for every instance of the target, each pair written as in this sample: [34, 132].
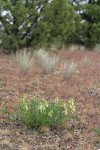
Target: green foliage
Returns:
[97, 131]
[35, 23]
[62, 24]
[90, 14]
[43, 23]
[43, 113]
[75, 36]
[12, 21]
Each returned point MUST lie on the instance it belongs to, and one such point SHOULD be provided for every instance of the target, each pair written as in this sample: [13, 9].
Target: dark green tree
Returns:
[89, 11]
[61, 17]
[35, 22]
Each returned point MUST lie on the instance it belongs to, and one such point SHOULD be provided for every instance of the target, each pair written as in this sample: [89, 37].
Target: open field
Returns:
[83, 87]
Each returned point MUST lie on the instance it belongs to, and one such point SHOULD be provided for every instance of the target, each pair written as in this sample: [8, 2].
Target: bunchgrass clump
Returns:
[73, 47]
[97, 48]
[46, 62]
[82, 48]
[68, 69]
[36, 113]
[24, 60]
[85, 62]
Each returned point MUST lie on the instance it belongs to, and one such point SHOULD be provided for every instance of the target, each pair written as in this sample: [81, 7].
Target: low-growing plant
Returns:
[85, 62]
[69, 69]
[46, 62]
[97, 130]
[24, 60]
[38, 113]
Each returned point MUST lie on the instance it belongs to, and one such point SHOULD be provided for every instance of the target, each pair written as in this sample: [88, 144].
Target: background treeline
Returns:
[42, 23]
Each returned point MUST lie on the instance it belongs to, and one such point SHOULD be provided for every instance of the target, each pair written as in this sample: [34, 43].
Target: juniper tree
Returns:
[35, 22]
[89, 11]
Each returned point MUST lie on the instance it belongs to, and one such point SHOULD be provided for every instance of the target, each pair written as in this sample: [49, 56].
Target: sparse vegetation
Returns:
[53, 119]
[68, 69]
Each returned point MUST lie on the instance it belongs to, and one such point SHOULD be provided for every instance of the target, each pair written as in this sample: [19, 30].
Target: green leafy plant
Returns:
[38, 113]
[24, 60]
[46, 62]
[69, 69]
[97, 131]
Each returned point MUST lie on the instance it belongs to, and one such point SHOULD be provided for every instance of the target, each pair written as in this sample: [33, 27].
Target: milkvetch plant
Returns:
[38, 113]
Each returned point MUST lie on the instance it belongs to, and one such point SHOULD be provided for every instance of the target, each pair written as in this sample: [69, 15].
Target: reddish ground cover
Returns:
[84, 87]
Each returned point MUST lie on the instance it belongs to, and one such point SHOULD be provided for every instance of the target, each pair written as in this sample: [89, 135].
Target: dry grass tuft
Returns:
[24, 60]
[46, 62]
[85, 62]
[73, 48]
[68, 69]
[97, 48]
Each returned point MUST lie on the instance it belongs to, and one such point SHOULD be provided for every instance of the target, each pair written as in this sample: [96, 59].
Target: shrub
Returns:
[68, 69]
[24, 60]
[43, 113]
[47, 63]
[85, 62]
